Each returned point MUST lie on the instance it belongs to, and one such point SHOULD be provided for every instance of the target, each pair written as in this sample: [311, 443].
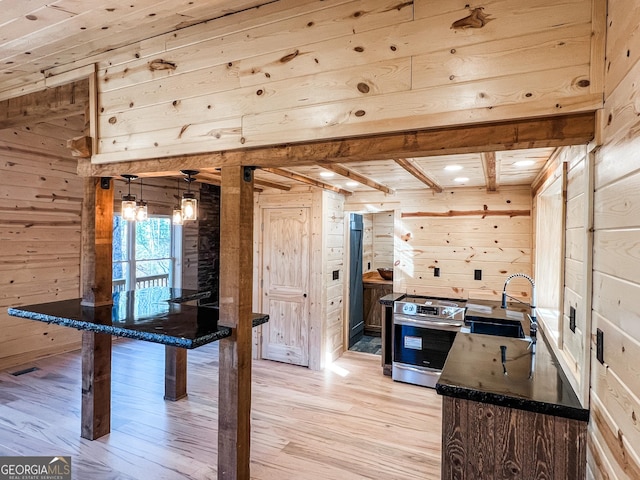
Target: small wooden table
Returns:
[163, 315]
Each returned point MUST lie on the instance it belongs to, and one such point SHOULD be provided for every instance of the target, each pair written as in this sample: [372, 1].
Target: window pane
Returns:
[120, 275]
[152, 273]
[120, 227]
[153, 238]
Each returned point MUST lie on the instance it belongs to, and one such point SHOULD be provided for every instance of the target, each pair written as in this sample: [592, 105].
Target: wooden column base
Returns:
[96, 385]
[175, 373]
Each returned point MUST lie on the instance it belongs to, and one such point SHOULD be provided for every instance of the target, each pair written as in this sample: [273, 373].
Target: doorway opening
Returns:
[370, 247]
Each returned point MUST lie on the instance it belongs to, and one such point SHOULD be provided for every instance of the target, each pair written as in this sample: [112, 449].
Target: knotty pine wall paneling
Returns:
[40, 232]
[458, 231]
[311, 70]
[377, 241]
[614, 430]
[367, 242]
[333, 257]
[382, 240]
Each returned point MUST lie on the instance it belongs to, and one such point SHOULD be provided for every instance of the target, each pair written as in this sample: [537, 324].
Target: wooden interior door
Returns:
[285, 271]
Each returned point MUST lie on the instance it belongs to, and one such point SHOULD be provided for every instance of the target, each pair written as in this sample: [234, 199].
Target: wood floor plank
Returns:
[347, 422]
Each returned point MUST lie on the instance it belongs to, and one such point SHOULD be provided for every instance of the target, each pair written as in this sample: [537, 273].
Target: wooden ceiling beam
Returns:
[350, 174]
[560, 130]
[490, 167]
[413, 169]
[307, 180]
[45, 105]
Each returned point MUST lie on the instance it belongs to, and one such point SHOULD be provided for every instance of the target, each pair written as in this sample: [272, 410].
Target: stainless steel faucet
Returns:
[533, 328]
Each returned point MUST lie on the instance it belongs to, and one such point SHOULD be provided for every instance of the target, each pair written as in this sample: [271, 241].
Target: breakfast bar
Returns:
[178, 319]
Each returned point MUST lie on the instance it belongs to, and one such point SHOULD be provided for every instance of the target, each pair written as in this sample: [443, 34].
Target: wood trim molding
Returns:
[410, 166]
[470, 213]
[553, 131]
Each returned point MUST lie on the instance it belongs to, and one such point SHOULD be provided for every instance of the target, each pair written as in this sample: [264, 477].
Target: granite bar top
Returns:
[533, 381]
[156, 314]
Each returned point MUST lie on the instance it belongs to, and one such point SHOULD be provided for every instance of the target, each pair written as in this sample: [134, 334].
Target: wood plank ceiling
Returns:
[39, 35]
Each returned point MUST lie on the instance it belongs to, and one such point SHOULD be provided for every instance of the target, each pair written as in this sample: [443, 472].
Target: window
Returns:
[550, 228]
[145, 254]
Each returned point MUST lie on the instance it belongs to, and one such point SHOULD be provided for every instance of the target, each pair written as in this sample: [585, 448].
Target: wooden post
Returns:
[175, 373]
[236, 279]
[97, 236]
[97, 239]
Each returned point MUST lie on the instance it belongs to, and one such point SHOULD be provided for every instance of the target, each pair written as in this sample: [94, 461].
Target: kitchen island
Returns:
[178, 319]
[509, 411]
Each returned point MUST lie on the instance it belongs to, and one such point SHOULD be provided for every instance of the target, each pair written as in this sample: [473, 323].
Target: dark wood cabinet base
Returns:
[491, 442]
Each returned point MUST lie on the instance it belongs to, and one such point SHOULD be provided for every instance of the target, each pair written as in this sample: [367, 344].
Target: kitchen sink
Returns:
[490, 326]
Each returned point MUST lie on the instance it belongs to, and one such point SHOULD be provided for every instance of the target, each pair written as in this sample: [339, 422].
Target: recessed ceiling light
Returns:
[352, 184]
[453, 168]
[327, 174]
[461, 179]
[524, 163]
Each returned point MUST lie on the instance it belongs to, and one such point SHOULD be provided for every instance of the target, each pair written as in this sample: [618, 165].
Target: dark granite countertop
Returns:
[534, 382]
[156, 314]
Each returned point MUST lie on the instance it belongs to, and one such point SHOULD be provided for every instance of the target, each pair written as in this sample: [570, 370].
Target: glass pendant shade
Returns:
[129, 208]
[189, 206]
[141, 211]
[129, 201]
[176, 217]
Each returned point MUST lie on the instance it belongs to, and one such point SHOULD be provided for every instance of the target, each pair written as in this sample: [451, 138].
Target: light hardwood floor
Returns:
[348, 422]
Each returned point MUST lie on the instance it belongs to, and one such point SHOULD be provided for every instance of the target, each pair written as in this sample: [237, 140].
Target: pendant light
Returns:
[176, 217]
[129, 201]
[141, 207]
[189, 204]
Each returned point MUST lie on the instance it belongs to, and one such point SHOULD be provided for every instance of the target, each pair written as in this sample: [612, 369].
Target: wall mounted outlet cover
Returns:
[477, 274]
[600, 346]
[436, 271]
[572, 319]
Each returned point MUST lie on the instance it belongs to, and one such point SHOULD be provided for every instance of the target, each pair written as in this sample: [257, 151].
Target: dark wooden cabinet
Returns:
[374, 289]
[481, 441]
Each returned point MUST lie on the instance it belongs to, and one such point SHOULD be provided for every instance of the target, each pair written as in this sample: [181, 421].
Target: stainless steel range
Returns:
[423, 331]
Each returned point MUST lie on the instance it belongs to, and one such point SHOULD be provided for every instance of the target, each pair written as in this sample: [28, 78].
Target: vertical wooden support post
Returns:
[97, 237]
[97, 240]
[175, 373]
[236, 288]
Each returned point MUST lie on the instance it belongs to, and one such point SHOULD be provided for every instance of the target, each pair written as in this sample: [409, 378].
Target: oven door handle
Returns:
[412, 322]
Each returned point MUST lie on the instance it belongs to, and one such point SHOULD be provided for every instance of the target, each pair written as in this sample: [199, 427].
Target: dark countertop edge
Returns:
[163, 339]
[555, 410]
[390, 298]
